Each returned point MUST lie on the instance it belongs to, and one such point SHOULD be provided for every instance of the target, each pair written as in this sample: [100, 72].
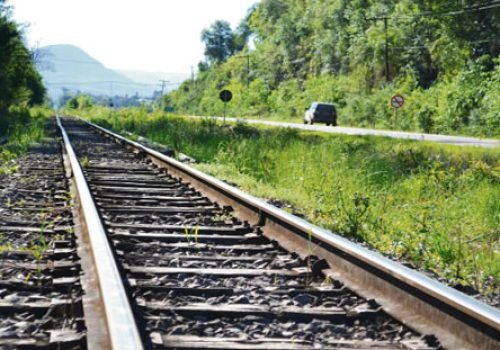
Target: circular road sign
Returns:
[397, 101]
[225, 95]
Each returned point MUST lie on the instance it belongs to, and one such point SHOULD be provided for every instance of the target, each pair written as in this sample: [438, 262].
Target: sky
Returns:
[150, 35]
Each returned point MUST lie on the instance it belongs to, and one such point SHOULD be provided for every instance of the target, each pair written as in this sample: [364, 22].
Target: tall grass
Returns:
[22, 128]
[435, 206]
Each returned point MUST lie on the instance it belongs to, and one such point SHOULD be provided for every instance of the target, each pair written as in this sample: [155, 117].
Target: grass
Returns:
[84, 162]
[22, 128]
[189, 231]
[435, 206]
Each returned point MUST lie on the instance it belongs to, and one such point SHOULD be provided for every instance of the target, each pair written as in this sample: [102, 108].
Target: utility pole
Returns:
[248, 74]
[193, 82]
[163, 83]
[386, 53]
[247, 56]
[111, 103]
[385, 18]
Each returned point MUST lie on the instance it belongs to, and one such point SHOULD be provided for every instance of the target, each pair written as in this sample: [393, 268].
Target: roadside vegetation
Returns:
[442, 56]
[25, 127]
[435, 206]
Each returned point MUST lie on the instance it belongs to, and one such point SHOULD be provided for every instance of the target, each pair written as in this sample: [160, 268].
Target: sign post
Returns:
[397, 101]
[225, 96]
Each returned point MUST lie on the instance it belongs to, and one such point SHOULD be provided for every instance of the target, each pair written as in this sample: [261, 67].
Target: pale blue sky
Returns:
[152, 35]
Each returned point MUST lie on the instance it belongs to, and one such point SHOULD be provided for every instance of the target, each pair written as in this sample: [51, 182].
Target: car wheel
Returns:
[327, 124]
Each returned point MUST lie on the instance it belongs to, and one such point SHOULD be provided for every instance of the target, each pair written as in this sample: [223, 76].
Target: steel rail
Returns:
[121, 326]
[422, 302]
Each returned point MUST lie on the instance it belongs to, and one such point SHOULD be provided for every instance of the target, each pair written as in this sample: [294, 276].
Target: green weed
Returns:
[84, 162]
[189, 232]
[23, 128]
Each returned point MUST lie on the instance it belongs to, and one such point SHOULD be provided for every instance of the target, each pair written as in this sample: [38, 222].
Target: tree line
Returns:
[20, 83]
[441, 55]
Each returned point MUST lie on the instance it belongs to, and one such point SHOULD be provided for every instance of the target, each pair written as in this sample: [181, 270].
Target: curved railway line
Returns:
[175, 259]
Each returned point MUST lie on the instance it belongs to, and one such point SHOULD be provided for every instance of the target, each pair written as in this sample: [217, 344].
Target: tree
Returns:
[203, 66]
[219, 42]
[339, 49]
[20, 83]
[72, 103]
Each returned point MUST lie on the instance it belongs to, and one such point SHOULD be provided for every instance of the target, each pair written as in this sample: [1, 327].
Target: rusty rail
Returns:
[122, 331]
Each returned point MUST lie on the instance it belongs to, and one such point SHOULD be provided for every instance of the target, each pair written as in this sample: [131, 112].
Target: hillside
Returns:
[442, 56]
[69, 67]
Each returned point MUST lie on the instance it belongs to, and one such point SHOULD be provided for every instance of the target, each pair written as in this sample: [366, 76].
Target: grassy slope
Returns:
[436, 206]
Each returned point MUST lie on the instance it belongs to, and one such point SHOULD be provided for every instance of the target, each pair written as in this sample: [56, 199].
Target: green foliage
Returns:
[435, 206]
[79, 102]
[20, 83]
[24, 127]
[220, 41]
[445, 65]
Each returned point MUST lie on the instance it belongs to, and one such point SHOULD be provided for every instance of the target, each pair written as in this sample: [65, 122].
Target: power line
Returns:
[493, 40]
[104, 82]
[144, 84]
[73, 61]
[461, 11]
[386, 17]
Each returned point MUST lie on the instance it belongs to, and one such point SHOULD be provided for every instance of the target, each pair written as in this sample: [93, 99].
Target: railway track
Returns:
[205, 266]
[40, 287]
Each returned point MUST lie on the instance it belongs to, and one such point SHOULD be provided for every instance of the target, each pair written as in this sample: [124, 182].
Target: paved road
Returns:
[453, 140]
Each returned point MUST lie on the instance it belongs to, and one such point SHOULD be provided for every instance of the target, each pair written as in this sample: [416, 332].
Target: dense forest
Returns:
[442, 56]
[20, 84]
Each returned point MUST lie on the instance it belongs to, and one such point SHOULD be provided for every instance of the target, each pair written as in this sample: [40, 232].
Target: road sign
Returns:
[225, 96]
[397, 101]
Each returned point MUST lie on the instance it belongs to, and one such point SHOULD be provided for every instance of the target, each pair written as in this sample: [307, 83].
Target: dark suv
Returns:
[321, 113]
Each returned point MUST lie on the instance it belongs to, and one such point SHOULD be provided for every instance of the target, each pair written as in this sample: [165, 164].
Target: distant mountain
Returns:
[67, 67]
